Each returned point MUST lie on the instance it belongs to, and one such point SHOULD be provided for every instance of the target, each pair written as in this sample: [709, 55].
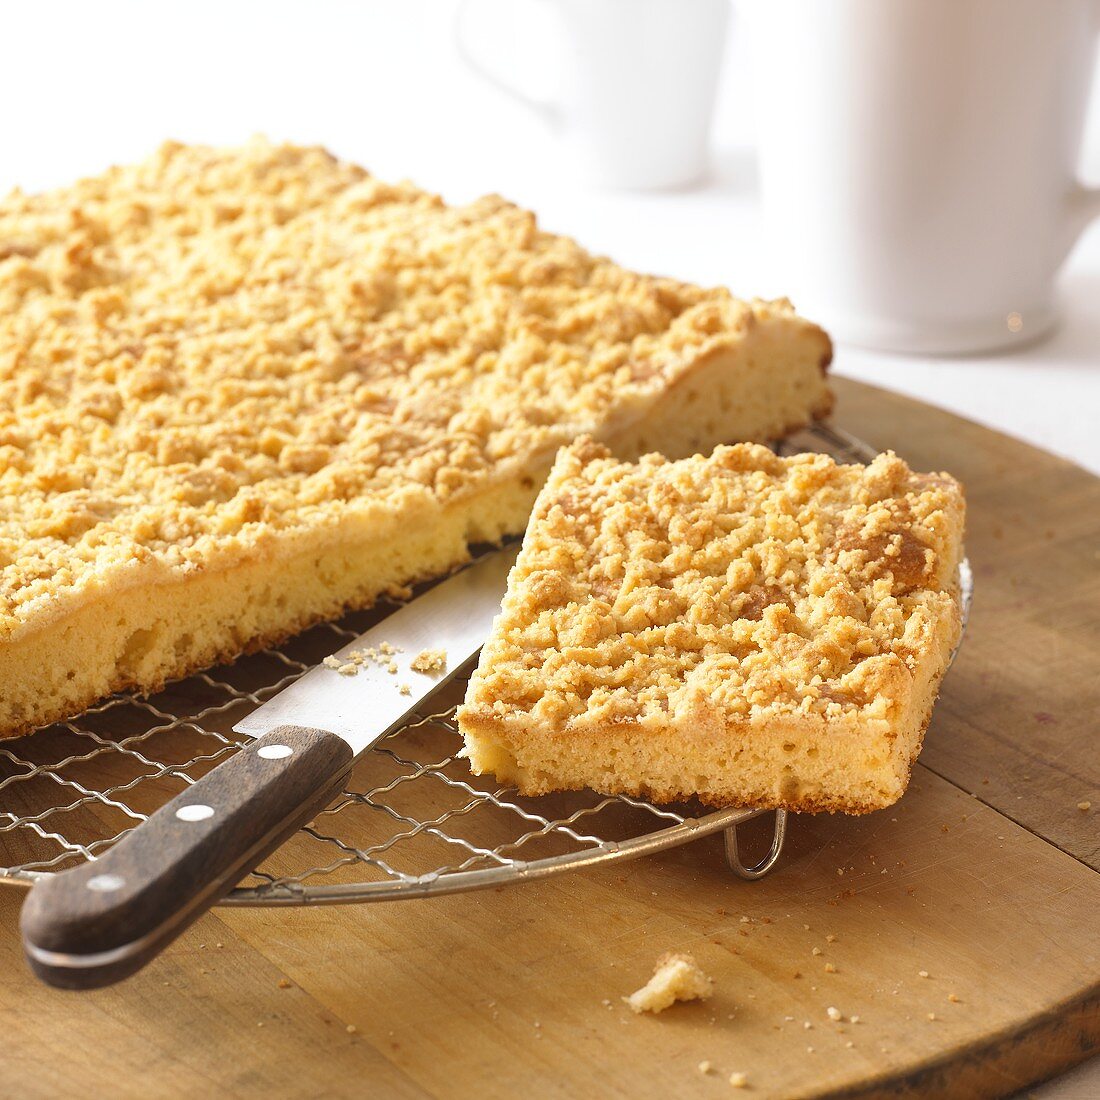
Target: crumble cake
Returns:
[749, 629]
[242, 390]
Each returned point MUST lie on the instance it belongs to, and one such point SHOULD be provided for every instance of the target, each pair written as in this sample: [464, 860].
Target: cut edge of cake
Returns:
[731, 764]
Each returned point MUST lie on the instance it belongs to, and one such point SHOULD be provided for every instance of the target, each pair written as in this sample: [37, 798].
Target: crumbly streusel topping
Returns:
[210, 347]
[742, 583]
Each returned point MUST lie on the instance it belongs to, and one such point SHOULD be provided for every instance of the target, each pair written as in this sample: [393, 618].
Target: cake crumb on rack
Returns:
[429, 660]
[355, 659]
[676, 977]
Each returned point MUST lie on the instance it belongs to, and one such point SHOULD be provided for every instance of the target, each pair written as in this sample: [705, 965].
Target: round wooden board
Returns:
[986, 876]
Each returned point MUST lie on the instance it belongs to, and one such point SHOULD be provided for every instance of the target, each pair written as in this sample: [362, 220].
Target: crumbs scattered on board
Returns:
[675, 978]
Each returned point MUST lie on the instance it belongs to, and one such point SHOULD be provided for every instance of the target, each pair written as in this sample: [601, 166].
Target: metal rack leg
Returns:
[758, 870]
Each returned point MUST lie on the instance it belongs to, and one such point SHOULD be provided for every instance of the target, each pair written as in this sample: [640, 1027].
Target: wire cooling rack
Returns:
[411, 821]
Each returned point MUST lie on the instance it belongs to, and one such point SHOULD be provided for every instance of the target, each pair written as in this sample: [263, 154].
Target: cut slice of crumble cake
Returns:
[753, 630]
[242, 390]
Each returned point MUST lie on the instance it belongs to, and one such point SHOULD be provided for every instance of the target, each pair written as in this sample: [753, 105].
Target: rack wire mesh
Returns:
[411, 821]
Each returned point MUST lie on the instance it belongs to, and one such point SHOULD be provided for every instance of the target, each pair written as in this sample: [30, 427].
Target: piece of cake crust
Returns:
[676, 977]
[243, 390]
[748, 629]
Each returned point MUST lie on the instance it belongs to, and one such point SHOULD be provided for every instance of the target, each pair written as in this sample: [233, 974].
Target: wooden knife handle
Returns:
[102, 921]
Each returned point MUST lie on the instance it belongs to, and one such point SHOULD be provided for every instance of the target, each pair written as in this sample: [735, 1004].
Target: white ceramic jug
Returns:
[918, 162]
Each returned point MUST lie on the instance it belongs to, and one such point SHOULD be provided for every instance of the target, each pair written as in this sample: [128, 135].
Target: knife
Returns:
[100, 922]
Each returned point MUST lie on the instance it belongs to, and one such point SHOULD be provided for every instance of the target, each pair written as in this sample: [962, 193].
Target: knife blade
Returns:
[102, 921]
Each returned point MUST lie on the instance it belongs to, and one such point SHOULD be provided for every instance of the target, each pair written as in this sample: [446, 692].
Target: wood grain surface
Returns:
[984, 876]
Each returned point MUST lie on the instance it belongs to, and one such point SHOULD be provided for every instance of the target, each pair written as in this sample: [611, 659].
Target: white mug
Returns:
[918, 162]
[637, 81]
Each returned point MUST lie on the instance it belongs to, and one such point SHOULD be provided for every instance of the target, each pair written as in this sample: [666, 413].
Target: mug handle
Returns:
[550, 113]
[1083, 203]
[1084, 209]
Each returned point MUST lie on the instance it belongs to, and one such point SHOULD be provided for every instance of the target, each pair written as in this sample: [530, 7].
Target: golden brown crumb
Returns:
[709, 604]
[739, 1080]
[953, 998]
[1084, 806]
[351, 1029]
[833, 1013]
[284, 983]
[676, 977]
[922, 974]
[429, 660]
[404, 689]
[829, 968]
[705, 1067]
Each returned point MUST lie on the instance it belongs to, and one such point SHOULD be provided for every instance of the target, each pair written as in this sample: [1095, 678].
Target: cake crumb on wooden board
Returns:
[676, 977]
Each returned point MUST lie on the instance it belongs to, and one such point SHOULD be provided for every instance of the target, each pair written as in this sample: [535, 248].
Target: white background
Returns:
[85, 85]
